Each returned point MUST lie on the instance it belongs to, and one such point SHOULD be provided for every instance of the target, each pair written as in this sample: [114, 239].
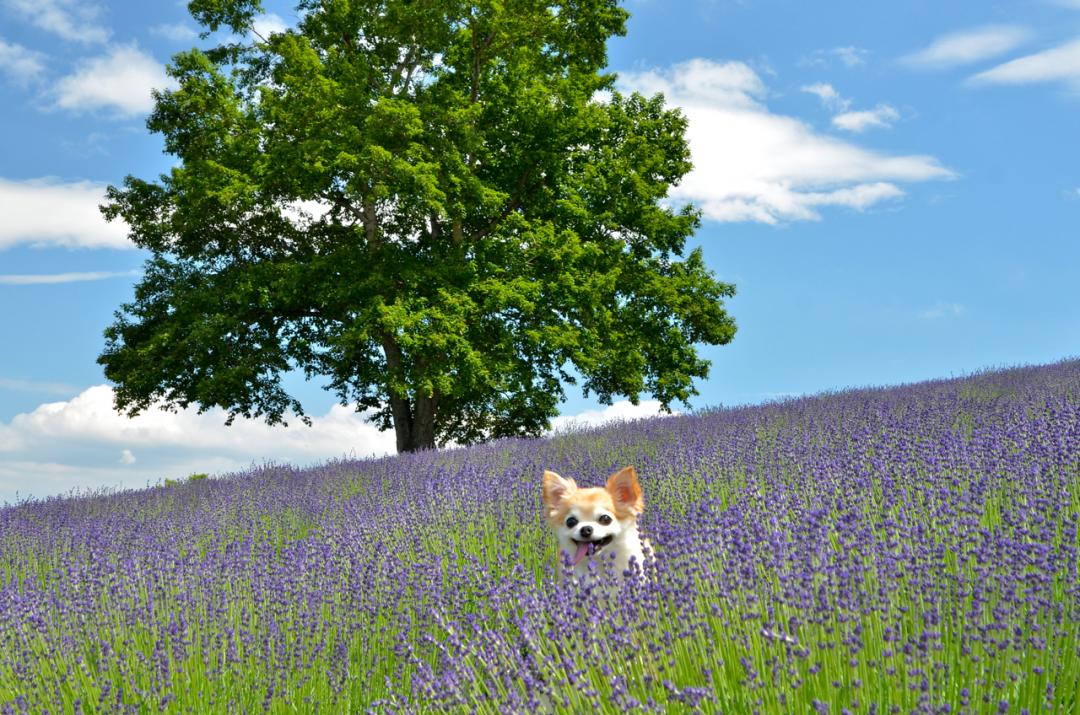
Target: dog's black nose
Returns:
[586, 532]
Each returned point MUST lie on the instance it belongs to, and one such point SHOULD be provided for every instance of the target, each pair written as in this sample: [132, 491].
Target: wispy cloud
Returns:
[74, 20]
[19, 64]
[175, 31]
[851, 120]
[92, 145]
[753, 165]
[850, 56]
[53, 278]
[968, 46]
[46, 388]
[1058, 64]
[881, 116]
[118, 81]
[45, 212]
[943, 310]
[828, 96]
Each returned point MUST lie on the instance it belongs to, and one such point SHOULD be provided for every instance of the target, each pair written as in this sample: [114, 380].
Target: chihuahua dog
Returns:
[597, 521]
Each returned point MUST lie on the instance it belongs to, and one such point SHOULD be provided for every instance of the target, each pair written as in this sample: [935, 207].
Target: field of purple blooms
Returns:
[875, 551]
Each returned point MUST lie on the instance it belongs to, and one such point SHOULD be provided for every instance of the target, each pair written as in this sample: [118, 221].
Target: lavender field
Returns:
[877, 551]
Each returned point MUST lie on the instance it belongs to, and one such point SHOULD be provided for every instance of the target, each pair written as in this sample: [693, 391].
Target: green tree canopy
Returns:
[440, 206]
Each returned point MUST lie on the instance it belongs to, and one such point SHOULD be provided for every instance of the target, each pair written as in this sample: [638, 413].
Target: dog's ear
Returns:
[556, 489]
[626, 493]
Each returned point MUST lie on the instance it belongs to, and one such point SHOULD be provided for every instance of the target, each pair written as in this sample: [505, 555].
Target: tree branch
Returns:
[513, 205]
[371, 221]
[406, 63]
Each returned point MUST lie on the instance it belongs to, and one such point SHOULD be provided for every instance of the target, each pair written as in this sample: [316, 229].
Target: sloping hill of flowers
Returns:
[875, 551]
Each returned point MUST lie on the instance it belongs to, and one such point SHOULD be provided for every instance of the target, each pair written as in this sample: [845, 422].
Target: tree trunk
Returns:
[423, 427]
[399, 406]
[414, 421]
[414, 424]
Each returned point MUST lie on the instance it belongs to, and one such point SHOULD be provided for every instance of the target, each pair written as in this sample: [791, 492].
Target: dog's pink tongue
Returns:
[582, 550]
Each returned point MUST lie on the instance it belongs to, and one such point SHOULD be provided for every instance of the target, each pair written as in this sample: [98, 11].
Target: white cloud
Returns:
[861, 196]
[119, 80]
[46, 212]
[76, 443]
[20, 64]
[754, 165]
[943, 310]
[853, 121]
[880, 116]
[1059, 64]
[52, 388]
[269, 24]
[968, 46]
[90, 415]
[616, 412]
[75, 20]
[305, 213]
[83, 443]
[701, 82]
[54, 278]
[176, 31]
[850, 56]
[828, 96]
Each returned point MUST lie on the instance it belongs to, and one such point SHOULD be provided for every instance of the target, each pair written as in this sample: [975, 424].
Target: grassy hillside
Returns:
[903, 550]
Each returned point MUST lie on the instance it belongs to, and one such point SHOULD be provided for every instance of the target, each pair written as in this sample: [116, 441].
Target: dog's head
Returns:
[586, 520]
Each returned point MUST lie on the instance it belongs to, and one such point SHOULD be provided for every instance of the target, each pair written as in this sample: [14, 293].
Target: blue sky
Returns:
[893, 187]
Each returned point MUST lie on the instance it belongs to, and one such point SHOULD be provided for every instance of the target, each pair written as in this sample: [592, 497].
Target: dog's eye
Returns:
[604, 519]
[571, 522]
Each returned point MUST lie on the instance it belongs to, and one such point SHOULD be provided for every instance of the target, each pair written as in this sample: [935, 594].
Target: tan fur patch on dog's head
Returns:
[621, 496]
[556, 494]
[626, 493]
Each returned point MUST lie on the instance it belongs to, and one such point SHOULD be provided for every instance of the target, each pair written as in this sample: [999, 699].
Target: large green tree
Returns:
[439, 206]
